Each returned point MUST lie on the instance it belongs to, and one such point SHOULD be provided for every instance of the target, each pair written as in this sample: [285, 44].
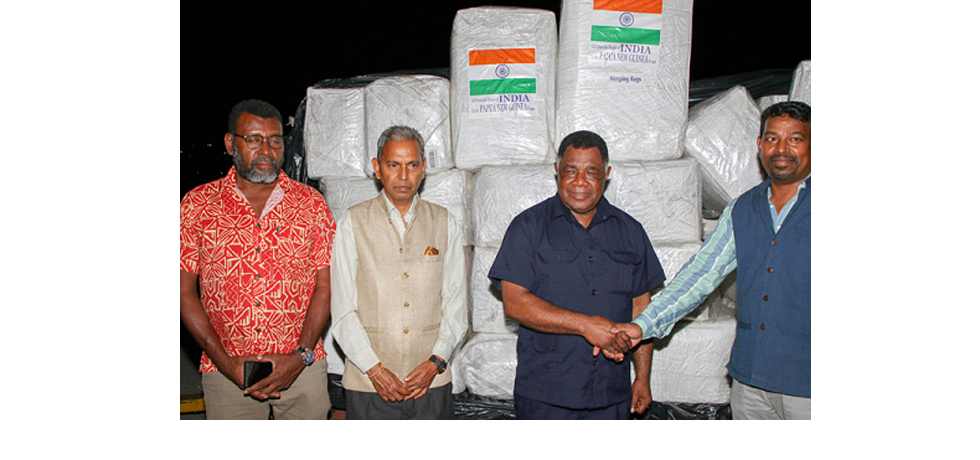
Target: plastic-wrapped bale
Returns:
[486, 303]
[721, 135]
[333, 132]
[503, 90]
[664, 196]
[799, 88]
[765, 101]
[343, 192]
[623, 72]
[452, 189]
[488, 365]
[689, 364]
[500, 193]
[417, 101]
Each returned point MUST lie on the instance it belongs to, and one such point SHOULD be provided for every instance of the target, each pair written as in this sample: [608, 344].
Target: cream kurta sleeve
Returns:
[454, 294]
[348, 331]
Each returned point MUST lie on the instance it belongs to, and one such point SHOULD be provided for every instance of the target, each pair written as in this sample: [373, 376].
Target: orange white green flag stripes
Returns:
[502, 71]
[634, 26]
[502, 80]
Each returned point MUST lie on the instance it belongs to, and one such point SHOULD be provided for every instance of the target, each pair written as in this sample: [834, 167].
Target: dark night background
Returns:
[274, 51]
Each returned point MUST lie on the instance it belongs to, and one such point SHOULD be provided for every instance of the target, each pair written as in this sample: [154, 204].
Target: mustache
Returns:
[783, 155]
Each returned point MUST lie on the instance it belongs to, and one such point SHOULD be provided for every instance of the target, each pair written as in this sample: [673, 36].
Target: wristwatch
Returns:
[439, 363]
[307, 355]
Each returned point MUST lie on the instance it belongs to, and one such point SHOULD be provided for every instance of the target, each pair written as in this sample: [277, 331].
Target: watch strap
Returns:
[440, 364]
[307, 355]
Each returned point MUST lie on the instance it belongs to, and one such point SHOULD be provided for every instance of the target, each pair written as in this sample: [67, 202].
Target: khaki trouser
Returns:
[751, 403]
[307, 398]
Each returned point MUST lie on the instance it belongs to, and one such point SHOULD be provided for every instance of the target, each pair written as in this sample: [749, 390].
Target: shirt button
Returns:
[590, 258]
[257, 276]
[769, 269]
[552, 348]
[258, 225]
[762, 326]
[593, 292]
[594, 364]
[405, 331]
[258, 304]
[257, 250]
[258, 329]
[765, 298]
[406, 304]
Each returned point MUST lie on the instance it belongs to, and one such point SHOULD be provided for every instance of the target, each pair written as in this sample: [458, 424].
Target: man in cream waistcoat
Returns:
[399, 291]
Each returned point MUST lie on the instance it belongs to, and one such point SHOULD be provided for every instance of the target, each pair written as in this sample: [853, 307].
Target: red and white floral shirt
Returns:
[256, 274]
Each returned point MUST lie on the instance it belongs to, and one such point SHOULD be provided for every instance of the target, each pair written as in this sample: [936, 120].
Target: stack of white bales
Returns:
[503, 85]
[343, 123]
[623, 72]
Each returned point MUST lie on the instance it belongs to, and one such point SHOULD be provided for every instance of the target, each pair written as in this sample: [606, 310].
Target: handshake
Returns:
[614, 340]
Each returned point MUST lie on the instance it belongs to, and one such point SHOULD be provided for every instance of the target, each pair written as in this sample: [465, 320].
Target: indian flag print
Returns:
[502, 80]
[627, 30]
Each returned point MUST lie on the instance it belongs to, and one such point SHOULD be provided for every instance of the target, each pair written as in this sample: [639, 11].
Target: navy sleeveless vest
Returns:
[772, 341]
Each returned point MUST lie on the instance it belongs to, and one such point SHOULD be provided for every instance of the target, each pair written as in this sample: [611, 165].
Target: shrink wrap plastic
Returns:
[503, 126]
[765, 101]
[417, 101]
[689, 364]
[452, 190]
[721, 136]
[334, 132]
[343, 192]
[500, 193]
[664, 196]
[486, 303]
[799, 89]
[636, 100]
[487, 365]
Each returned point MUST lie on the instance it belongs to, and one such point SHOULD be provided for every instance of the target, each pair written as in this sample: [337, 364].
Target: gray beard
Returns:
[249, 173]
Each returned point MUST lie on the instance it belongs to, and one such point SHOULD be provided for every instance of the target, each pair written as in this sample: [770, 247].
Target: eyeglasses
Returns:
[254, 141]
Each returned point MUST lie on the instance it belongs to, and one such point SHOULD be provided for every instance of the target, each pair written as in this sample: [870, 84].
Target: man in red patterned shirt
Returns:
[255, 277]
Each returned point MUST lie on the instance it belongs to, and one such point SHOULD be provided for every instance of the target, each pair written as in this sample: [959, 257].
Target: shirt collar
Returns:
[409, 216]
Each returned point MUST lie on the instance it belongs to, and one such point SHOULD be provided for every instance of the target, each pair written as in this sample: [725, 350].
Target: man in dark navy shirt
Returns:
[569, 268]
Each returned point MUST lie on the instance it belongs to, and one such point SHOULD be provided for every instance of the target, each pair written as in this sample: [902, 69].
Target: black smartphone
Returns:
[256, 371]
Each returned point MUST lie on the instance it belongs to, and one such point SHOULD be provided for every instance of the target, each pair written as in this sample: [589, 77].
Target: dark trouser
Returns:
[529, 409]
[436, 404]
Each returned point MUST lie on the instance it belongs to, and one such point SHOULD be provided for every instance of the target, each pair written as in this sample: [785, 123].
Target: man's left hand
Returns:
[641, 396]
[418, 380]
[285, 369]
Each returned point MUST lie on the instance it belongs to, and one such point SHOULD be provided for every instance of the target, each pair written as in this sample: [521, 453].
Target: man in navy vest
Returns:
[765, 233]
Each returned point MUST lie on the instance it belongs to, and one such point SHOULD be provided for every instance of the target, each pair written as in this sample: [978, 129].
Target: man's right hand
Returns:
[388, 386]
[600, 333]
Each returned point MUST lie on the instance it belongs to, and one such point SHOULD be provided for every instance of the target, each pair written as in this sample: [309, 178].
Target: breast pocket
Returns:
[557, 271]
[619, 271]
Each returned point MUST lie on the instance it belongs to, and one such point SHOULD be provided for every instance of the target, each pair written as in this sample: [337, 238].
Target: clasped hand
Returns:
[415, 385]
[614, 340]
